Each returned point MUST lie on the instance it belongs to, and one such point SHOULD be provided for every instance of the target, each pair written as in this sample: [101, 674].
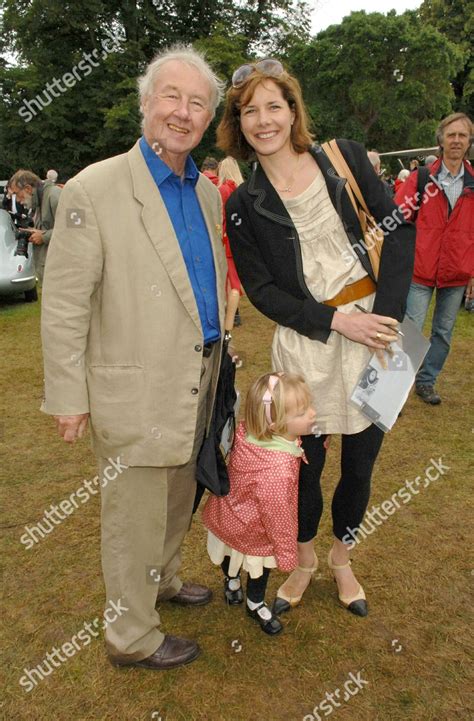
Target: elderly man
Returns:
[133, 314]
[444, 256]
[374, 158]
[52, 175]
[42, 198]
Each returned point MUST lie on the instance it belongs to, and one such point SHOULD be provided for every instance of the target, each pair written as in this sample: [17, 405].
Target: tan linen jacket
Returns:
[121, 332]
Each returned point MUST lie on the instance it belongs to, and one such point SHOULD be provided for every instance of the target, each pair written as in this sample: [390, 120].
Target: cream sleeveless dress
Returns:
[331, 369]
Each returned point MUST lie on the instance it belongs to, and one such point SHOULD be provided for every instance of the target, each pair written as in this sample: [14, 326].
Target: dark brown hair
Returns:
[230, 138]
[209, 163]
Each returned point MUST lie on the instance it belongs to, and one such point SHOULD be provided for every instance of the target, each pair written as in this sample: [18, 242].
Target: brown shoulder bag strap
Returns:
[342, 169]
[350, 177]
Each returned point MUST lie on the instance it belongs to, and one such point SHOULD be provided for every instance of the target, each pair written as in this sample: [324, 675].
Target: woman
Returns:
[229, 175]
[296, 242]
[229, 179]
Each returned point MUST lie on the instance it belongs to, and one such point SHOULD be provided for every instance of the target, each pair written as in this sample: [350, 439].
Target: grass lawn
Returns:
[411, 652]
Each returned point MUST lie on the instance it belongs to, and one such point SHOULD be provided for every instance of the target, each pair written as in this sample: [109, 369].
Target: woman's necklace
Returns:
[289, 187]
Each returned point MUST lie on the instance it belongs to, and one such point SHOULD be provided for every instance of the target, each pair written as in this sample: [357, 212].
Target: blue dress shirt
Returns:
[182, 204]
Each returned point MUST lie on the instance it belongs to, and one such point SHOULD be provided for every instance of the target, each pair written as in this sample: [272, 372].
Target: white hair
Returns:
[403, 174]
[430, 159]
[189, 56]
[52, 175]
[374, 157]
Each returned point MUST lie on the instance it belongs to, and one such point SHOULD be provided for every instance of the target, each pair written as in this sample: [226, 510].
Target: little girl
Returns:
[255, 527]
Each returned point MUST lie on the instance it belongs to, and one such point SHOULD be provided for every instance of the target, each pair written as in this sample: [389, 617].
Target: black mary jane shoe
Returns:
[271, 625]
[233, 597]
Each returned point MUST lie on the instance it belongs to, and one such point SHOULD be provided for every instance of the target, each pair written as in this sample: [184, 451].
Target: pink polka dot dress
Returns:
[256, 524]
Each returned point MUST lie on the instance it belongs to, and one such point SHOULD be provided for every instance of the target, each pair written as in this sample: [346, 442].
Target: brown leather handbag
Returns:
[373, 234]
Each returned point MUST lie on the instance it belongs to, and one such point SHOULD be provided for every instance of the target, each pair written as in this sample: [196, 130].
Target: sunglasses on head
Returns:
[270, 67]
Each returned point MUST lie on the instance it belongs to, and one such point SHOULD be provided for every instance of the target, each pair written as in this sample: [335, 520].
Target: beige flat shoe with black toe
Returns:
[283, 602]
[355, 604]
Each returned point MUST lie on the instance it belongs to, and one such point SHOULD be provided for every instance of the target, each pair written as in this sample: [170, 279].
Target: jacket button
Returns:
[198, 348]
[194, 391]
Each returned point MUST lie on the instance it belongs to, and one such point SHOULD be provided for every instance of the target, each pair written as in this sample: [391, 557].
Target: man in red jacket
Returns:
[444, 256]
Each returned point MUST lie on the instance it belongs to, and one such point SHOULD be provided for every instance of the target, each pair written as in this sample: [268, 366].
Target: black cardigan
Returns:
[267, 252]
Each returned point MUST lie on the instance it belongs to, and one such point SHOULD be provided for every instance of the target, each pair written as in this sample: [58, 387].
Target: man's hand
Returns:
[470, 289]
[71, 427]
[36, 236]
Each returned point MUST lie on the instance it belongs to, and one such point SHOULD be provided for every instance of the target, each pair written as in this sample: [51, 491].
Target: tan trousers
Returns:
[145, 515]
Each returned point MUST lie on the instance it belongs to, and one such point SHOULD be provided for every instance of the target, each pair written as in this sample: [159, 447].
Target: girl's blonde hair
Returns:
[290, 386]
[229, 170]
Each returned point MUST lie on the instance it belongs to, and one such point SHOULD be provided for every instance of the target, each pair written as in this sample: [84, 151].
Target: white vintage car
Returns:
[17, 272]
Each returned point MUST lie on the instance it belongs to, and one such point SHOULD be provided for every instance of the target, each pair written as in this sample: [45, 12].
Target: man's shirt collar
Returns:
[444, 173]
[161, 171]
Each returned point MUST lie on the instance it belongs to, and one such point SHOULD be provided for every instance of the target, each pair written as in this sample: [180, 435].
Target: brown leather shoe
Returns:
[172, 652]
[192, 594]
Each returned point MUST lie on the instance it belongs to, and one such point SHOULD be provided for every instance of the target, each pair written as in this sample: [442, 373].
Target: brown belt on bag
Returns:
[354, 291]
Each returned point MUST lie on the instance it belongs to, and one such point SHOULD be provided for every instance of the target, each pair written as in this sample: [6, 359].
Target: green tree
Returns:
[70, 130]
[379, 79]
[455, 20]
[42, 40]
